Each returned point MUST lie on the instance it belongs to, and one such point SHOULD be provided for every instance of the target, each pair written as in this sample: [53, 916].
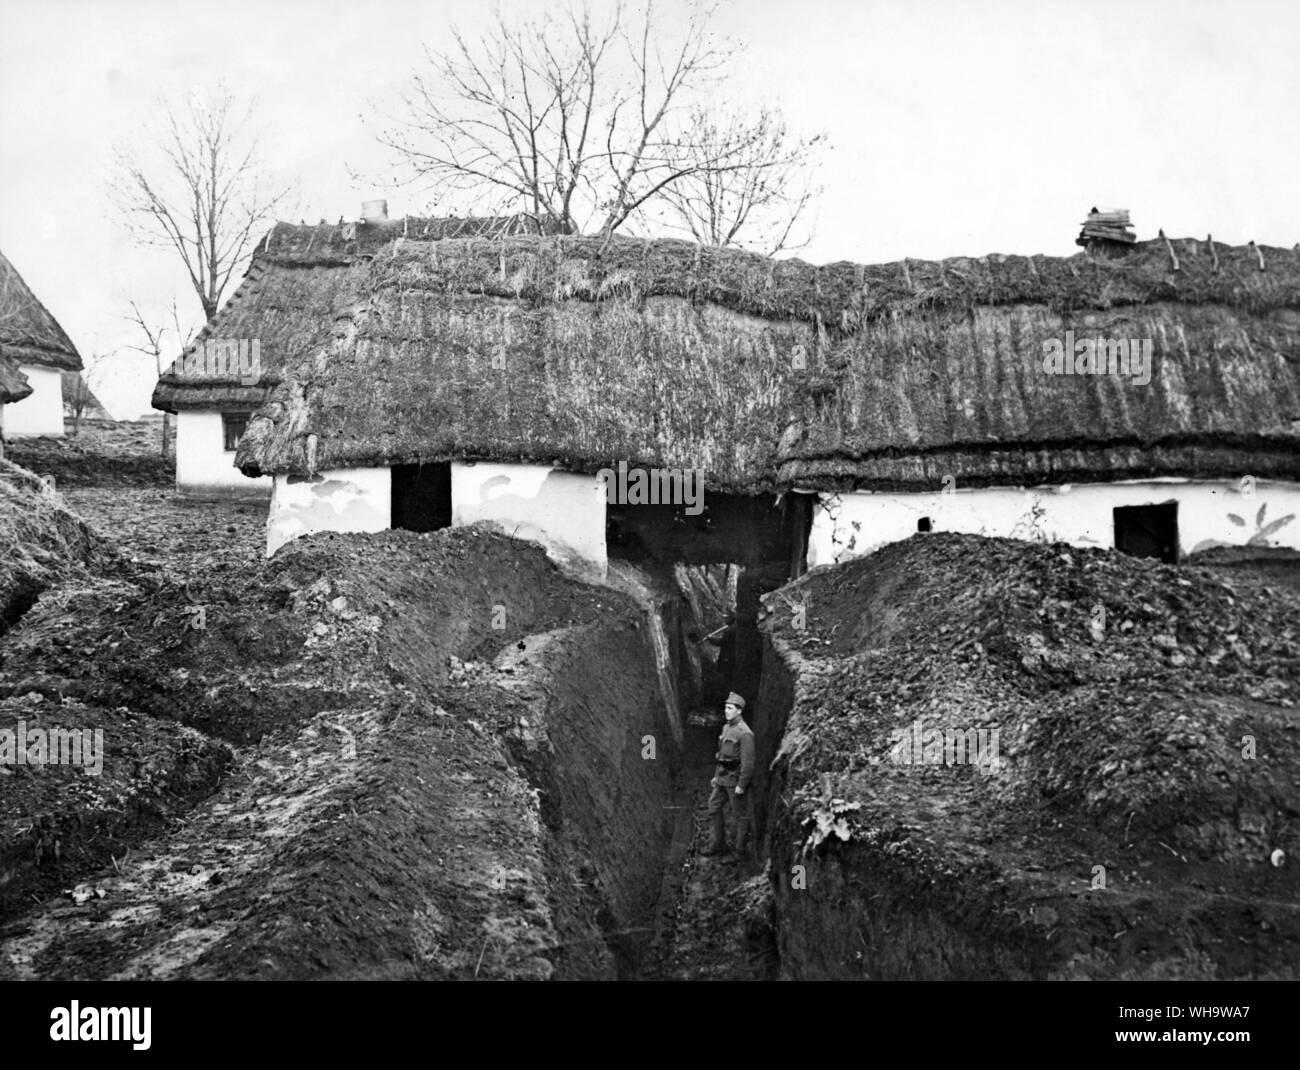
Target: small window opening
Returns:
[1148, 531]
[233, 426]
[923, 524]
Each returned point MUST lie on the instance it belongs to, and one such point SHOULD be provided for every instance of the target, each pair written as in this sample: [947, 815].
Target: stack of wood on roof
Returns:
[1106, 227]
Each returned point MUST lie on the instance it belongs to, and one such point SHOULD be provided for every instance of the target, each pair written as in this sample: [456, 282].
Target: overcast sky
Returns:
[959, 127]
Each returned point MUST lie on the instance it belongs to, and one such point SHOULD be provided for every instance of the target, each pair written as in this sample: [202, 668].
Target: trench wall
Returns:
[863, 912]
[599, 748]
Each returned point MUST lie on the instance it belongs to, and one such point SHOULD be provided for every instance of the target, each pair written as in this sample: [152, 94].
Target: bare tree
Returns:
[578, 121]
[154, 335]
[80, 394]
[78, 398]
[759, 202]
[196, 184]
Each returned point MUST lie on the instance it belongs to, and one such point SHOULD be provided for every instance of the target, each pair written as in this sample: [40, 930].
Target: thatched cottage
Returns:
[34, 353]
[284, 310]
[471, 379]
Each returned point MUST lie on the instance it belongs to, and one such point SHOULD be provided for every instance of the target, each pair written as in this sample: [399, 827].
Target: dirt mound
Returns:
[41, 539]
[81, 785]
[439, 765]
[1255, 564]
[265, 645]
[1028, 761]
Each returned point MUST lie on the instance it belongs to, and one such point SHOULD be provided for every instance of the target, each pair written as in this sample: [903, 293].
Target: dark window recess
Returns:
[422, 496]
[1148, 531]
[233, 426]
[923, 524]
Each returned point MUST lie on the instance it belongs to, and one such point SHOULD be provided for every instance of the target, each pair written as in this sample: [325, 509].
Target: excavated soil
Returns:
[396, 755]
[436, 756]
[1140, 819]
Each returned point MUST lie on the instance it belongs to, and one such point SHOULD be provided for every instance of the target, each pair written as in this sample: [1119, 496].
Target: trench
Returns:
[623, 832]
[537, 768]
[692, 582]
[620, 827]
[541, 767]
[695, 935]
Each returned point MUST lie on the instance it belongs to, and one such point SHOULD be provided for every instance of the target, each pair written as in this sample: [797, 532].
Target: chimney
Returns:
[1107, 234]
[374, 211]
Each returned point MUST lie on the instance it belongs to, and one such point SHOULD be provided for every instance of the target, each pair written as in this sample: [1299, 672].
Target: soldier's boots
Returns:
[718, 845]
[742, 838]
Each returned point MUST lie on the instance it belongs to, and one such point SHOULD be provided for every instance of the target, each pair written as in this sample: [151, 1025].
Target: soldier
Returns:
[735, 771]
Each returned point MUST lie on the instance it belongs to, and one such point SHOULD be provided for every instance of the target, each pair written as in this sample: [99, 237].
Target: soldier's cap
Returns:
[735, 700]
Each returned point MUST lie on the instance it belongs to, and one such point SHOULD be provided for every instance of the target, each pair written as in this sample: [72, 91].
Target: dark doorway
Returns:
[1148, 531]
[744, 530]
[422, 496]
[759, 541]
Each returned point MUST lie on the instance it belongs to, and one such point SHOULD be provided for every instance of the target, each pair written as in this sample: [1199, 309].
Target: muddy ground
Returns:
[373, 812]
[375, 756]
[436, 756]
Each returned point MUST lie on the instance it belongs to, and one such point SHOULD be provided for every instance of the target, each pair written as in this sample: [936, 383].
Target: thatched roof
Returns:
[296, 284]
[13, 383]
[28, 333]
[665, 353]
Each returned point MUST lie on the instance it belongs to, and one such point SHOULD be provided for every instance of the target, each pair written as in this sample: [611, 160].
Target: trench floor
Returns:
[711, 922]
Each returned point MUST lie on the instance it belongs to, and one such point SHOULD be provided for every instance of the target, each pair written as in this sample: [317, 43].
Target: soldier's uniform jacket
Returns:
[735, 755]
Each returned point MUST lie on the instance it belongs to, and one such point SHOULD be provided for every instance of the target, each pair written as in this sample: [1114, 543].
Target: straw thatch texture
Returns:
[288, 310]
[13, 383]
[913, 399]
[28, 333]
[559, 349]
[567, 387]
[297, 282]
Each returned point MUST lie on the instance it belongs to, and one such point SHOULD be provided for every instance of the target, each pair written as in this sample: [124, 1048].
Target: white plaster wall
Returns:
[563, 511]
[849, 525]
[202, 461]
[344, 499]
[41, 412]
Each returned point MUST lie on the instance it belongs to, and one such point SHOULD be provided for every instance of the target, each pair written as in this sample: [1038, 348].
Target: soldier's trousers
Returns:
[742, 811]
